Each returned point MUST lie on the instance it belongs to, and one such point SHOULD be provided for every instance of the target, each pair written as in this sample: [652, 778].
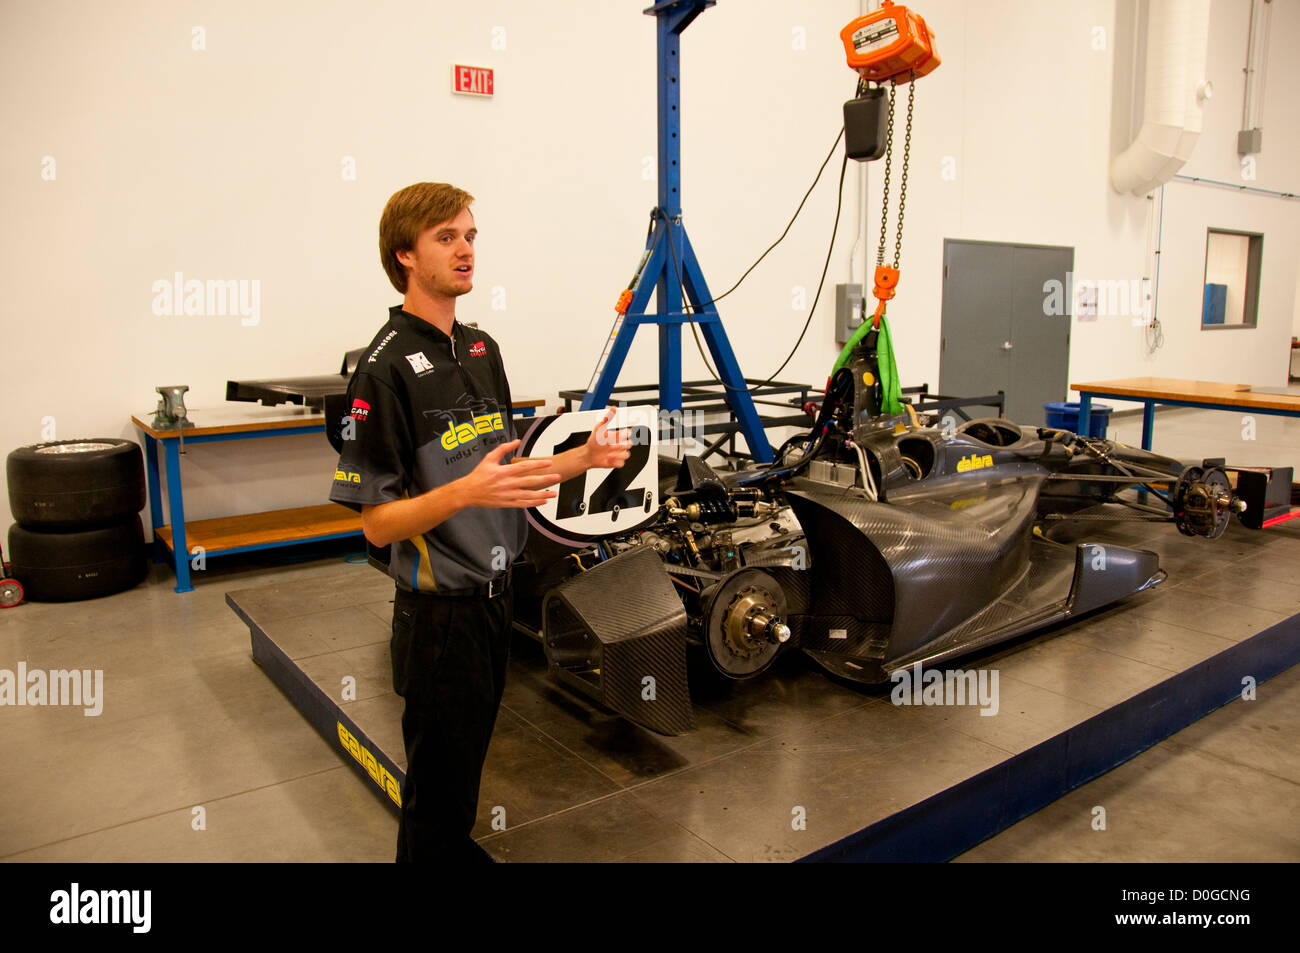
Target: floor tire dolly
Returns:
[11, 590]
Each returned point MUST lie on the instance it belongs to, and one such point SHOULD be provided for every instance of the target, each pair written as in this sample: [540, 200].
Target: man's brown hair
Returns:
[408, 213]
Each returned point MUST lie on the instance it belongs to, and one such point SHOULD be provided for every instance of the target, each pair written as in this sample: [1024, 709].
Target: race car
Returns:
[873, 542]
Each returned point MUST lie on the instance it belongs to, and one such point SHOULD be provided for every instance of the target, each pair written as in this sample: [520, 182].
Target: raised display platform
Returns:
[794, 764]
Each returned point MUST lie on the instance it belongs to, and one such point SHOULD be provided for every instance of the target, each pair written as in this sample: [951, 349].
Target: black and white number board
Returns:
[599, 502]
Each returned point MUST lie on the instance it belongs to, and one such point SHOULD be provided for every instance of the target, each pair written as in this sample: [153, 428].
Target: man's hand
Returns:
[605, 450]
[517, 485]
[602, 451]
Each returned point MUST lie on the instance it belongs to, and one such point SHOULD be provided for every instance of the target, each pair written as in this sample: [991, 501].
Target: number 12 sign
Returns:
[597, 503]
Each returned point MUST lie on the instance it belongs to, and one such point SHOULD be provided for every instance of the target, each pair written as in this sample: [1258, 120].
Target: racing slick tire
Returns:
[75, 484]
[56, 566]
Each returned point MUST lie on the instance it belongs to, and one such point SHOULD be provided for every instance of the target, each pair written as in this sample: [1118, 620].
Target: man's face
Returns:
[442, 262]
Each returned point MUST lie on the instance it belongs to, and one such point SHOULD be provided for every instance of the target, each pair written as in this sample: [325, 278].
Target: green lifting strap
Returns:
[849, 345]
[893, 394]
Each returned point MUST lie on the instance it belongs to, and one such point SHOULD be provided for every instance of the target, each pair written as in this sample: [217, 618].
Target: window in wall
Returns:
[1231, 297]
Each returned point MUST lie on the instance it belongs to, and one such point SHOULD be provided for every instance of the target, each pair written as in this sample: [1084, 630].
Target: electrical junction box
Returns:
[1250, 142]
[848, 311]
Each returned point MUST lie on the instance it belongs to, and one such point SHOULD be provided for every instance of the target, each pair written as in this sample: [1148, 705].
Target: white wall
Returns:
[1259, 356]
[225, 164]
[1026, 108]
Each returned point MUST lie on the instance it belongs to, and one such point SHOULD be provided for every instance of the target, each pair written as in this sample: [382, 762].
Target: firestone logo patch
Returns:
[374, 355]
[360, 409]
[478, 350]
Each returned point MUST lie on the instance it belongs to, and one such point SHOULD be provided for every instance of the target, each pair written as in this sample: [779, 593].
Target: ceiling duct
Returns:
[1174, 88]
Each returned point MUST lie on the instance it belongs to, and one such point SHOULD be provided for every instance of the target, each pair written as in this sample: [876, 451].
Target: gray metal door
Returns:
[997, 332]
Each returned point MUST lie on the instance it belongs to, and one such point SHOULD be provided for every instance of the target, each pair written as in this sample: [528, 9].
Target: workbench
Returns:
[1207, 395]
[227, 535]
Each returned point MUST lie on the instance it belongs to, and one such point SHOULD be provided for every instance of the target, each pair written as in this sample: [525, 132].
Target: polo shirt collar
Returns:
[397, 313]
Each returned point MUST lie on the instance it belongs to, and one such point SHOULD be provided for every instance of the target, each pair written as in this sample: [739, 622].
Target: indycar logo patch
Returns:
[478, 350]
[360, 409]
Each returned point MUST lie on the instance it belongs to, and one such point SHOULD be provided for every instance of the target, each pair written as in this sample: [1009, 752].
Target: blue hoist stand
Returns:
[669, 264]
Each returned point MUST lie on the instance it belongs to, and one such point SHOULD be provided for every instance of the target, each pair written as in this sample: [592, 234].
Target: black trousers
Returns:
[449, 664]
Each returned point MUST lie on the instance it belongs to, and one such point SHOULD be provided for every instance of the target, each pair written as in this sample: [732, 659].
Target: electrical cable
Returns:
[1262, 87]
[868, 484]
[1153, 332]
[837, 390]
[789, 225]
[860, 201]
[690, 311]
[655, 212]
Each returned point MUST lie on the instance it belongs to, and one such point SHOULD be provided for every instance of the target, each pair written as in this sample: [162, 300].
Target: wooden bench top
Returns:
[227, 533]
[243, 417]
[1194, 392]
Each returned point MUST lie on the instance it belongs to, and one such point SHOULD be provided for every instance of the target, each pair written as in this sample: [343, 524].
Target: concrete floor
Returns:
[189, 722]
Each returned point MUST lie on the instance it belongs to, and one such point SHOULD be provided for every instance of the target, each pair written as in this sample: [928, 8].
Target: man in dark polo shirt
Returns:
[428, 466]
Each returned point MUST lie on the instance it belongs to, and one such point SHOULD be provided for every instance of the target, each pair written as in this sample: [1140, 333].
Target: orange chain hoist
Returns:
[891, 46]
[893, 43]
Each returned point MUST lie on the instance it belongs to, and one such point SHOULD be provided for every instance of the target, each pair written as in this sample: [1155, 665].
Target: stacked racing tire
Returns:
[77, 503]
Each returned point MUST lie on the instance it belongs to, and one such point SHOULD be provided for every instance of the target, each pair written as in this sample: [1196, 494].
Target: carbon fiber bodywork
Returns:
[940, 573]
[882, 545]
[617, 633]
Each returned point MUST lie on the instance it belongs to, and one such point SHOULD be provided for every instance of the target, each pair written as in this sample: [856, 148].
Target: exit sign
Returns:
[472, 80]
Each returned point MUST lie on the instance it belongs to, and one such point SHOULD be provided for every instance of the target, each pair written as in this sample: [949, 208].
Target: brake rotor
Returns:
[745, 623]
[1203, 502]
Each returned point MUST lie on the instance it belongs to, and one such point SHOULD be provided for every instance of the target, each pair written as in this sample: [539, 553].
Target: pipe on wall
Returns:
[1175, 87]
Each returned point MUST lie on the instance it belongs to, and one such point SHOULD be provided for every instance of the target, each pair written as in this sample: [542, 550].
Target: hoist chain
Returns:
[889, 165]
[902, 185]
[889, 168]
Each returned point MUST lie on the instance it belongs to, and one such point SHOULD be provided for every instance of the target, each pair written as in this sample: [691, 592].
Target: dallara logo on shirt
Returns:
[346, 476]
[419, 363]
[458, 434]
